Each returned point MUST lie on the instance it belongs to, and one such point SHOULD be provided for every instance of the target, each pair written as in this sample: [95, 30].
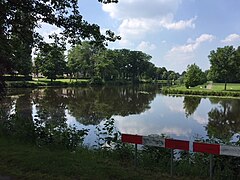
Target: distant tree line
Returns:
[88, 61]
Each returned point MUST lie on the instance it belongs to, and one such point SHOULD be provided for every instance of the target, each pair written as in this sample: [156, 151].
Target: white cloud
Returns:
[231, 38]
[146, 46]
[192, 46]
[181, 56]
[46, 29]
[181, 24]
[200, 119]
[125, 9]
[139, 17]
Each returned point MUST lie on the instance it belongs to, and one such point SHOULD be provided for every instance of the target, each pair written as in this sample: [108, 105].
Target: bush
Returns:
[97, 80]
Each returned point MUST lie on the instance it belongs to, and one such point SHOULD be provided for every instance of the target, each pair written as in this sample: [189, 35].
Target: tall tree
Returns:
[19, 19]
[81, 59]
[194, 76]
[51, 61]
[224, 65]
[104, 65]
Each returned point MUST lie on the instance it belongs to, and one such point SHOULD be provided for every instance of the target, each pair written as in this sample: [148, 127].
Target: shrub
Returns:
[97, 80]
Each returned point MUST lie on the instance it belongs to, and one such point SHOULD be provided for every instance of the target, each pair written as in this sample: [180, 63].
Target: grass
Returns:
[230, 87]
[25, 161]
[47, 82]
[211, 89]
[215, 87]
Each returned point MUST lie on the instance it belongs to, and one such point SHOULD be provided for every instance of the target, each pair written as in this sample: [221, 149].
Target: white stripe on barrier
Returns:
[153, 141]
[229, 150]
[158, 141]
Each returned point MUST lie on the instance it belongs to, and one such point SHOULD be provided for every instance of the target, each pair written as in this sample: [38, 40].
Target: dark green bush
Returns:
[97, 80]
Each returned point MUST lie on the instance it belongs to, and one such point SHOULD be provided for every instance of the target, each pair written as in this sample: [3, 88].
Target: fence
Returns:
[157, 141]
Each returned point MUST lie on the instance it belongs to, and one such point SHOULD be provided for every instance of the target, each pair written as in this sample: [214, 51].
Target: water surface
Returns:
[136, 110]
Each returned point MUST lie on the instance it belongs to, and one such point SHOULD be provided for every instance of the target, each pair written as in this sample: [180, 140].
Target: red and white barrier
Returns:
[158, 141]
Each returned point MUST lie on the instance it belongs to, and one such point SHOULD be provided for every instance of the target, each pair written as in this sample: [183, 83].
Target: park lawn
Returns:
[25, 161]
[214, 87]
[45, 80]
[196, 88]
[230, 87]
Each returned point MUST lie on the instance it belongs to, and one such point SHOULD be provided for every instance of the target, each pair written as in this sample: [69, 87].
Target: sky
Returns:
[175, 33]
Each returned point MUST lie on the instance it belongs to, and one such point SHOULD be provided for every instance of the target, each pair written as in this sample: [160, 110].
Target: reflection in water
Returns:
[190, 104]
[50, 106]
[94, 104]
[136, 110]
[224, 120]
[16, 115]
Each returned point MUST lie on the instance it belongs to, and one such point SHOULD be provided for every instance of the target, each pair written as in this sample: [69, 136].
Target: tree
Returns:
[104, 65]
[82, 59]
[194, 76]
[19, 20]
[224, 65]
[51, 61]
[137, 64]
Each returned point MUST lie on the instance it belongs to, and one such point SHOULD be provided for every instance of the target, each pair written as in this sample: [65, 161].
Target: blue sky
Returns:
[174, 32]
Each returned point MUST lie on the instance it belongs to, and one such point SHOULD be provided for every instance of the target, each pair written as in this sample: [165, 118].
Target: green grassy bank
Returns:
[25, 161]
[213, 89]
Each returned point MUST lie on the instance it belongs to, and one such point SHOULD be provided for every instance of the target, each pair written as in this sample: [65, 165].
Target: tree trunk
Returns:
[225, 86]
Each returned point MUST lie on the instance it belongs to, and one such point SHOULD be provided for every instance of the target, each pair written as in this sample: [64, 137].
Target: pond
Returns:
[138, 109]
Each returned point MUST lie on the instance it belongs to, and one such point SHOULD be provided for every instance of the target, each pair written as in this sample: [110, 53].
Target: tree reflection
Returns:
[92, 105]
[23, 116]
[50, 106]
[190, 104]
[224, 121]
[6, 106]
[89, 105]
[16, 115]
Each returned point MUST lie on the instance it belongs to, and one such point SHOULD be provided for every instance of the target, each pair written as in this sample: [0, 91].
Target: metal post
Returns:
[171, 162]
[211, 166]
[135, 160]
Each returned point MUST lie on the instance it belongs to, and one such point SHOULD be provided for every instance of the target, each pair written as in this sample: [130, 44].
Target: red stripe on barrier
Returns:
[206, 148]
[177, 144]
[128, 138]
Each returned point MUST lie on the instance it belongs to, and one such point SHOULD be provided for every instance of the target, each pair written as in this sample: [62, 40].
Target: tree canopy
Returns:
[19, 20]
[194, 76]
[224, 64]
[50, 61]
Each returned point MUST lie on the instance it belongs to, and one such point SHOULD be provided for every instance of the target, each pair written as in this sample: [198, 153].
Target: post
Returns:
[135, 160]
[211, 166]
[171, 162]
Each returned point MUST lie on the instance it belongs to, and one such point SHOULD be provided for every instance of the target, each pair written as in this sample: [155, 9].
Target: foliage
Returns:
[97, 80]
[80, 60]
[58, 136]
[50, 61]
[194, 76]
[108, 135]
[123, 64]
[20, 19]
[224, 65]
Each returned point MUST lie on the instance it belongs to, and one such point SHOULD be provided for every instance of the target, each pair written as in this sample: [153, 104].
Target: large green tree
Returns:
[224, 65]
[194, 76]
[51, 61]
[20, 18]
